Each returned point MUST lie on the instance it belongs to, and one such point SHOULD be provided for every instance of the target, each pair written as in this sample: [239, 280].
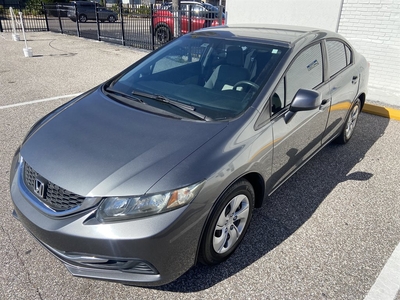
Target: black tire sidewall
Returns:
[207, 254]
[163, 30]
[342, 138]
[82, 15]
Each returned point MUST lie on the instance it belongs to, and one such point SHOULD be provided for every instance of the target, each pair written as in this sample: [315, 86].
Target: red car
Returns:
[202, 15]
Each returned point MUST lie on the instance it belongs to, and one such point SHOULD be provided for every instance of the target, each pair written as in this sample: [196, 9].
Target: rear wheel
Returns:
[111, 19]
[228, 223]
[82, 18]
[350, 123]
[163, 34]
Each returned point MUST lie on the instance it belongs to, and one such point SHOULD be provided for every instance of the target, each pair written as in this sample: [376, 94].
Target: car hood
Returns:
[99, 147]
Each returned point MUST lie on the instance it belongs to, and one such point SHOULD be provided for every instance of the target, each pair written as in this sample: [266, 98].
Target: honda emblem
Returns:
[39, 188]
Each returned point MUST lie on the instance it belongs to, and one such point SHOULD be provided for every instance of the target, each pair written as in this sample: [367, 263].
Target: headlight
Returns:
[122, 208]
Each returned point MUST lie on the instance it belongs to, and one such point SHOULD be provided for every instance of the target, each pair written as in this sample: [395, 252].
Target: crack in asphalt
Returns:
[22, 263]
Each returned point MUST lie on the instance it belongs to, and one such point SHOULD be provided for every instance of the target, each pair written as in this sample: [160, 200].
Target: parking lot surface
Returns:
[327, 233]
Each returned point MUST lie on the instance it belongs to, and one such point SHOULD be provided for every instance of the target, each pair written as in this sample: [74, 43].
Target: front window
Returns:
[306, 72]
[216, 77]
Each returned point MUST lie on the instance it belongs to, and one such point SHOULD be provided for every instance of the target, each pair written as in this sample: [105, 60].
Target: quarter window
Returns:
[278, 98]
[348, 55]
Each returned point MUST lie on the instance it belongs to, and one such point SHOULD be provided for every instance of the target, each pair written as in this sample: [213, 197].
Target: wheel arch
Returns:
[161, 24]
[257, 182]
[362, 98]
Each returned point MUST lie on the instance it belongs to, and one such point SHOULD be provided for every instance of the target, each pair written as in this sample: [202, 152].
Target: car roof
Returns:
[83, 2]
[189, 2]
[286, 35]
[194, 2]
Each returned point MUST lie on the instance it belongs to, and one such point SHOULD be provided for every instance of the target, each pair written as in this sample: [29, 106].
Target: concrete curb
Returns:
[386, 112]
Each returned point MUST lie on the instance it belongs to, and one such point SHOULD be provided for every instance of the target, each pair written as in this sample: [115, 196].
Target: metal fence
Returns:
[33, 17]
[139, 26]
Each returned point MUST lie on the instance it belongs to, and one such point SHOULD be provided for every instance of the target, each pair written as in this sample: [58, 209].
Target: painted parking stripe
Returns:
[387, 285]
[38, 101]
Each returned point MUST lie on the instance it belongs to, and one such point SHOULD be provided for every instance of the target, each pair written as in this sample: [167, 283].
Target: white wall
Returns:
[373, 27]
[313, 13]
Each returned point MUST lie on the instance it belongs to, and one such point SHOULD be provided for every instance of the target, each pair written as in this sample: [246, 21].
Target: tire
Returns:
[227, 224]
[163, 34]
[82, 18]
[111, 19]
[350, 124]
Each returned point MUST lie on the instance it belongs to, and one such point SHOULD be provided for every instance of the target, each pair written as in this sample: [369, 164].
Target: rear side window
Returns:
[337, 56]
[306, 72]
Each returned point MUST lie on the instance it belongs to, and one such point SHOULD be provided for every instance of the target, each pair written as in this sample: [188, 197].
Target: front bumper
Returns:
[147, 252]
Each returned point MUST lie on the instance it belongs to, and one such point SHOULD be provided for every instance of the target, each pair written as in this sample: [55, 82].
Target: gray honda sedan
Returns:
[160, 168]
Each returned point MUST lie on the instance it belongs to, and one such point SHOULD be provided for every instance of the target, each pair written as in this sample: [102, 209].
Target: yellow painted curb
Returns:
[386, 112]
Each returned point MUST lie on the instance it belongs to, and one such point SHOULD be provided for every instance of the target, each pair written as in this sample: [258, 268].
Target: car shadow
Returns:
[285, 211]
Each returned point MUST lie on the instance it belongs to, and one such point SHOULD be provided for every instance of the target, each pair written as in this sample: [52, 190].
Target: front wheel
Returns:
[228, 223]
[350, 123]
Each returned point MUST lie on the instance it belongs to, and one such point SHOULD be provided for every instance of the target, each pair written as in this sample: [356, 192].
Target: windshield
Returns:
[210, 7]
[216, 76]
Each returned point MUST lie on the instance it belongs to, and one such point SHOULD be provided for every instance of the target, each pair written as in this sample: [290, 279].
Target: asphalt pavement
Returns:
[328, 233]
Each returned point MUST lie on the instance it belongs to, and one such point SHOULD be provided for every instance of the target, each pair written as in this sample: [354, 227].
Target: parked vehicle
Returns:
[201, 15]
[161, 167]
[87, 11]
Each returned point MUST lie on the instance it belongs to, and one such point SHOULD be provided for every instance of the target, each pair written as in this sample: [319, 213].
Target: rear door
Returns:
[295, 141]
[343, 82]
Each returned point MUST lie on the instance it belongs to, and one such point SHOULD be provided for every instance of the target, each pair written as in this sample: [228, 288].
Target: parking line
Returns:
[387, 285]
[38, 101]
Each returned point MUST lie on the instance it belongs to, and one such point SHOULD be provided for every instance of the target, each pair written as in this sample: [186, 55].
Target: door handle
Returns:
[323, 104]
[354, 79]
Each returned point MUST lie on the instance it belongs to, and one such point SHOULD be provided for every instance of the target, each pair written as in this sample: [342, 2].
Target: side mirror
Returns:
[303, 100]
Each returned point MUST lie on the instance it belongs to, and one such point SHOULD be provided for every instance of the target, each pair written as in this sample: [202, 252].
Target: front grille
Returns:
[54, 196]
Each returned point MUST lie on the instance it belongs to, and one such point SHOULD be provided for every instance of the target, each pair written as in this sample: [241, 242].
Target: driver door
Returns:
[295, 140]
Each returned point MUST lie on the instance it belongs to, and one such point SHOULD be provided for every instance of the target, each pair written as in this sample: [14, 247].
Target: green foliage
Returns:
[143, 10]
[34, 7]
[115, 8]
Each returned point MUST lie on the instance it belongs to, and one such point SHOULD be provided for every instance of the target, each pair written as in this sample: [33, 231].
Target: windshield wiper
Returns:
[185, 107]
[118, 93]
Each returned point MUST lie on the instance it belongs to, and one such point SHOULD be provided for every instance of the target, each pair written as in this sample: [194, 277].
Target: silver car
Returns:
[86, 10]
[160, 168]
